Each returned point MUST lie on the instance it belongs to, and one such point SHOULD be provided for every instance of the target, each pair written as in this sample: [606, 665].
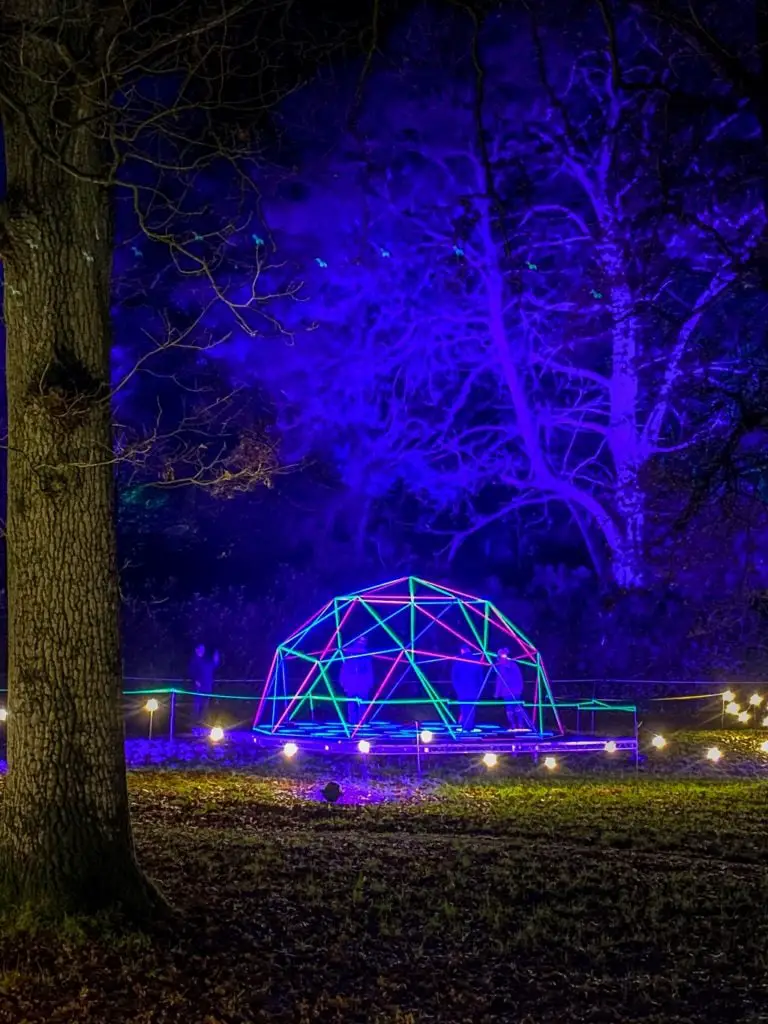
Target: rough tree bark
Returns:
[65, 834]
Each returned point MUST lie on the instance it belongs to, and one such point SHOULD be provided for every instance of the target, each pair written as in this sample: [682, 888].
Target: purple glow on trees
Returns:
[506, 270]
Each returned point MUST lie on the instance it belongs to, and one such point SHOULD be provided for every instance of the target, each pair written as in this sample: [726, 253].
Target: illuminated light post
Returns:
[728, 696]
[550, 763]
[216, 734]
[490, 760]
[733, 708]
[658, 742]
[151, 706]
[743, 717]
[714, 754]
[755, 700]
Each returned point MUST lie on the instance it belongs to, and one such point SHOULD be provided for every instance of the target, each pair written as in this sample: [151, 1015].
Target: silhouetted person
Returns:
[356, 679]
[202, 674]
[467, 677]
[509, 688]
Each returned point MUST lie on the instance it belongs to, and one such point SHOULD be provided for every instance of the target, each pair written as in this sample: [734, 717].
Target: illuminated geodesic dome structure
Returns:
[406, 655]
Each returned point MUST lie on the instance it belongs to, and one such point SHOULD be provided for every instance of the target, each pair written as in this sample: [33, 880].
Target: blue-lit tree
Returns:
[505, 300]
[724, 49]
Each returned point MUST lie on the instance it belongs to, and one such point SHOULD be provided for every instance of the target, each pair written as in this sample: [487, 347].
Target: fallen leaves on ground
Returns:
[493, 900]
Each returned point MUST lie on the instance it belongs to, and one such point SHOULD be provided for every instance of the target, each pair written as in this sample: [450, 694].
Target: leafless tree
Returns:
[516, 303]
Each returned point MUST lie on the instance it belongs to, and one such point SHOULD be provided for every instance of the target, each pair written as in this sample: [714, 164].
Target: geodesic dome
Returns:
[387, 659]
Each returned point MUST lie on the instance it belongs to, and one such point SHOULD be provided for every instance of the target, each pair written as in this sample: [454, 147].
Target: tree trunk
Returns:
[624, 435]
[65, 834]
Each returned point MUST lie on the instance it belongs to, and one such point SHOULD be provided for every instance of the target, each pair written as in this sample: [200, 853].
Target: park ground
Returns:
[611, 897]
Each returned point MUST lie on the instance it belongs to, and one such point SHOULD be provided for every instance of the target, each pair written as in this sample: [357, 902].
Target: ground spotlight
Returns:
[764, 746]
[217, 734]
[659, 742]
[490, 760]
[364, 747]
[610, 747]
[714, 754]
[290, 750]
[331, 792]
[550, 763]
[732, 708]
[755, 700]
[743, 716]
[426, 736]
[151, 706]
[728, 696]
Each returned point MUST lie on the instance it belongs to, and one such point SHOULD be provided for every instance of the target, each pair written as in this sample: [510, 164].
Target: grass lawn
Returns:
[509, 900]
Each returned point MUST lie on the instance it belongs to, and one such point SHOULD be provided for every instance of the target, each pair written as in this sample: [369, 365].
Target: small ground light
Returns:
[755, 700]
[728, 696]
[490, 760]
[550, 763]
[151, 706]
[765, 722]
[714, 754]
[610, 747]
[733, 708]
[764, 746]
[290, 750]
[217, 734]
[364, 747]
[426, 736]
[743, 716]
[331, 792]
[659, 742]
[3, 714]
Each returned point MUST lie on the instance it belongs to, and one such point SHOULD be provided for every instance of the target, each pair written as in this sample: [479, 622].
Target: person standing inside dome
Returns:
[356, 679]
[509, 688]
[467, 677]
